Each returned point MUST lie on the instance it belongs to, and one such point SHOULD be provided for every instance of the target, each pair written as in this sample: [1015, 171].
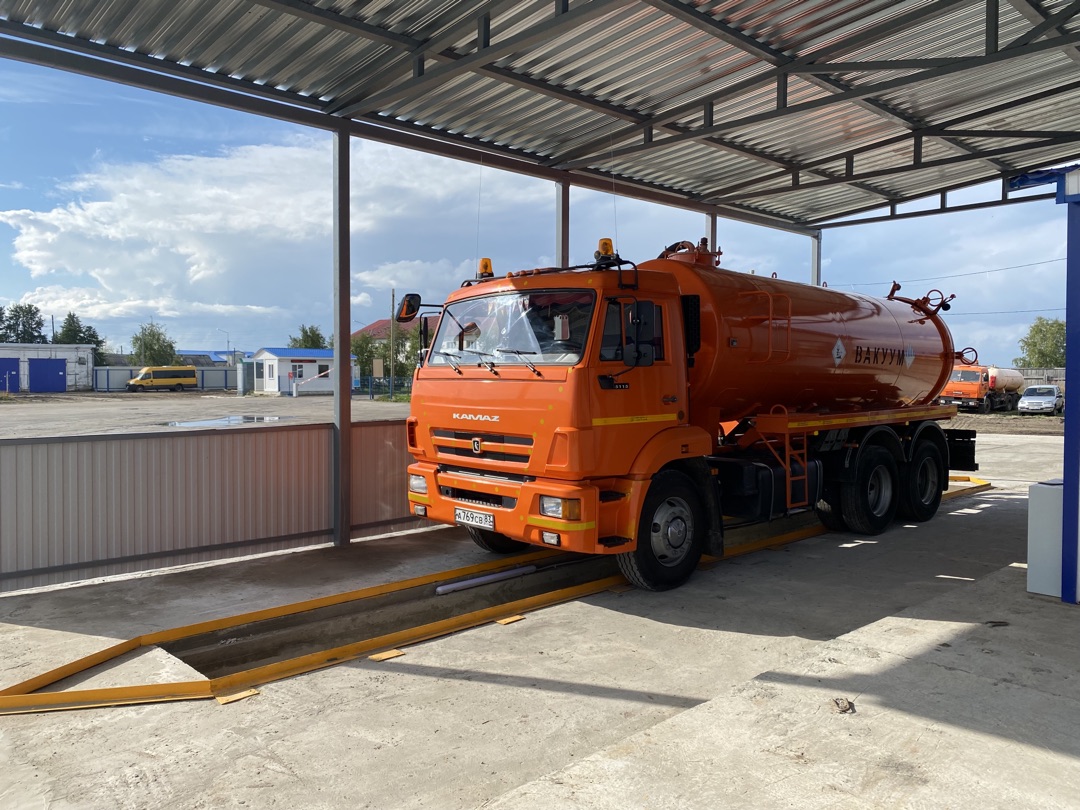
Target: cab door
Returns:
[640, 385]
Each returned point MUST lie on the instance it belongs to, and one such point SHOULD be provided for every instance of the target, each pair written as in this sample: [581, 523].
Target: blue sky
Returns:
[126, 206]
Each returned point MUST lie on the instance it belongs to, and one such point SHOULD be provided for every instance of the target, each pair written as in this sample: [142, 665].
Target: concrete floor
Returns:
[719, 694]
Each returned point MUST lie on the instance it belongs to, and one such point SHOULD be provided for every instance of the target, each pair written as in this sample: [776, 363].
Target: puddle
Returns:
[227, 420]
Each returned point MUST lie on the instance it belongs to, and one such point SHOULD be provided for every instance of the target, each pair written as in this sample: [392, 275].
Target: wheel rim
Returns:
[879, 491]
[926, 481]
[671, 532]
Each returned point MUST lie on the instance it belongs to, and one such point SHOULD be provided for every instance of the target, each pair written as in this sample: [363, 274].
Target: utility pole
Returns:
[392, 305]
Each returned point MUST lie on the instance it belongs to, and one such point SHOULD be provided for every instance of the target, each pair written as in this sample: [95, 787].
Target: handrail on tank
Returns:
[769, 296]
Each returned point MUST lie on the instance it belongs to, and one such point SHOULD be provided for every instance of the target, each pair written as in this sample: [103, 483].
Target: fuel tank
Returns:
[767, 342]
[1005, 380]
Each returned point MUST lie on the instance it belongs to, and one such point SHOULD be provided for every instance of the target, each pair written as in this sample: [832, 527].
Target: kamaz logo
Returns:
[476, 417]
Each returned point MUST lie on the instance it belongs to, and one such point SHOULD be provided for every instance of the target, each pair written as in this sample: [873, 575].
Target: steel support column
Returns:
[342, 458]
[562, 224]
[710, 229]
[1070, 514]
[815, 259]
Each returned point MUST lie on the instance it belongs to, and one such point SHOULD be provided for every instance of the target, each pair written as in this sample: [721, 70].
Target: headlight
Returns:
[418, 484]
[565, 508]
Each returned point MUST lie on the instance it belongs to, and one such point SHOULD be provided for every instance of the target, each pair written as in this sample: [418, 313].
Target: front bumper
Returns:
[960, 402]
[605, 524]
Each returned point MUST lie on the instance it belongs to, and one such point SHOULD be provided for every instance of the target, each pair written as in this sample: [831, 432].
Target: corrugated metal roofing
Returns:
[790, 112]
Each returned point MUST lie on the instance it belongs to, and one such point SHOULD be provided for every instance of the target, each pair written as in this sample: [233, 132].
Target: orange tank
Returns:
[767, 343]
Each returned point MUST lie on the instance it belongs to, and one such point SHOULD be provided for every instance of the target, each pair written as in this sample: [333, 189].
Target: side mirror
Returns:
[640, 331]
[408, 308]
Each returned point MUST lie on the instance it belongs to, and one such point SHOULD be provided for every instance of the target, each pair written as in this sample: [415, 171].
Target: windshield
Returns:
[965, 376]
[545, 327]
[1040, 392]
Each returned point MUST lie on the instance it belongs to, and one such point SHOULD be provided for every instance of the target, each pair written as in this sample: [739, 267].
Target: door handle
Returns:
[670, 400]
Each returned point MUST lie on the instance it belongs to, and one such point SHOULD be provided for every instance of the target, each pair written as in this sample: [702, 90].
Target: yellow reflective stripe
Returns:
[629, 420]
[415, 497]
[545, 523]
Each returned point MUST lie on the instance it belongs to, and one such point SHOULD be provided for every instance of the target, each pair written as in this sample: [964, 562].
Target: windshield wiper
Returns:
[451, 359]
[520, 354]
[483, 361]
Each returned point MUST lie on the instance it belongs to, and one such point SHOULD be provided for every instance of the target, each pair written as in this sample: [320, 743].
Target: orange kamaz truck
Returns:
[642, 410]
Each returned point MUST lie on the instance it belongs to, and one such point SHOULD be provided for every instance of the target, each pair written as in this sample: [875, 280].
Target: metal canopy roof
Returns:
[792, 113]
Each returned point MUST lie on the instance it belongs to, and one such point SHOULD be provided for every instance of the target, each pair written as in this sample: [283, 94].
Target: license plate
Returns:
[469, 517]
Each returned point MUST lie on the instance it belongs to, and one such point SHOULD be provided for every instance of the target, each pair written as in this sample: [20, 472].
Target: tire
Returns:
[830, 514]
[178, 387]
[987, 405]
[920, 483]
[671, 535]
[869, 503]
[494, 542]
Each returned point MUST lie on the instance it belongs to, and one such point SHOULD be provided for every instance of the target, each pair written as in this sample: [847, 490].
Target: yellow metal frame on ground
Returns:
[23, 698]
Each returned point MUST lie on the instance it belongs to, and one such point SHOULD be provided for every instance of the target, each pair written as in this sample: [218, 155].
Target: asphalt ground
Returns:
[92, 413]
[960, 686]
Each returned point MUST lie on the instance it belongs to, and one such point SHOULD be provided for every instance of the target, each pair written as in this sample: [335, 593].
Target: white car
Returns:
[1042, 399]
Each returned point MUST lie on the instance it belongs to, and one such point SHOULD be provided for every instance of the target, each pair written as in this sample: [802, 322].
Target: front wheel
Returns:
[670, 535]
[494, 542]
[869, 502]
[178, 387]
[920, 484]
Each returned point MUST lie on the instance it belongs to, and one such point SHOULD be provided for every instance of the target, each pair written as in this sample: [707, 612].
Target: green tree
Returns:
[23, 323]
[74, 331]
[151, 346]
[311, 337]
[1044, 346]
[363, 347]
[3, 328]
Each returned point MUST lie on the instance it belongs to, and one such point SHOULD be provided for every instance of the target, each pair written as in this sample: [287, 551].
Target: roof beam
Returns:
[1033, 12]
[1045, 143]
[338, 22]
[555, 25]
[853, 94]
[946, 126]
[780, 61]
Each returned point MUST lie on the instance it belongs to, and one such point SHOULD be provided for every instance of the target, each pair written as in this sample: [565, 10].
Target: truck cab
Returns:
[546, 400]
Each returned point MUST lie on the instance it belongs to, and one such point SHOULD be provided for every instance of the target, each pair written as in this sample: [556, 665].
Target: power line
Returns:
[1006, 312]
[955, 275]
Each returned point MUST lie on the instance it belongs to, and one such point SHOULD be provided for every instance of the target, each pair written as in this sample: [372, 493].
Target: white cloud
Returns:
[247, 231]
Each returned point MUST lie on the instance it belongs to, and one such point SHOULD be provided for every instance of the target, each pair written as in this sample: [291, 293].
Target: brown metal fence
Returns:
[77, 507]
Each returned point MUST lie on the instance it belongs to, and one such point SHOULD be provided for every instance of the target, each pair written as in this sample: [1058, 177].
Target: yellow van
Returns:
[151, 378]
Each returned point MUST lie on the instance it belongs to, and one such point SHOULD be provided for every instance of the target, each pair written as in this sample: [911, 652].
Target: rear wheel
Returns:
[869, 502]
[178, 387]
[921, 482]
[494, 542]
[670, 535]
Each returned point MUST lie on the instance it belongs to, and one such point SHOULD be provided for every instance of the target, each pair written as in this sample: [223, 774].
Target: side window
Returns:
[298, 371]
[611, 342]
[616, 314]
[323, 370]
[658, 333]
[269, 369]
